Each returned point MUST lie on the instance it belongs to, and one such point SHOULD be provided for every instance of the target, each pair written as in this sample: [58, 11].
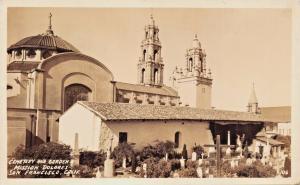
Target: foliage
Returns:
[175, 164]
[158, 150]
[192, 164]
[92, 159]
[256, 169]
[123, 150]
[184, 152]
[156, 169]
[85, 171]
[45, 151]
[189, 172]
[198, 149]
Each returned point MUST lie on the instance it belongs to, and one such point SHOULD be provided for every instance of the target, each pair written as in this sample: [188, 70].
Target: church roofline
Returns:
[125, 111]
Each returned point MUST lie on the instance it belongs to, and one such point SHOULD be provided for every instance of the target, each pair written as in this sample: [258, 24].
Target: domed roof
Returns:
[44, 41]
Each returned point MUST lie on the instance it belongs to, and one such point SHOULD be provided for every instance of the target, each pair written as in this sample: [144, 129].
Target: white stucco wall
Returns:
[143, 133]
[80, 120]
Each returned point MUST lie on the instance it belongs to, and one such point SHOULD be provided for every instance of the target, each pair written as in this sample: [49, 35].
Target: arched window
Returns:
[143, 76]
[46, 54]
[74, 93]
[144, 55]
[177, 139]
[155, 76]
[31, 53]
[18, 54]
[190, 64]
[154, 54]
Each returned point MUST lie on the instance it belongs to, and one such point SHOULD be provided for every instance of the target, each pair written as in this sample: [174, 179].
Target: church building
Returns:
[50, 83]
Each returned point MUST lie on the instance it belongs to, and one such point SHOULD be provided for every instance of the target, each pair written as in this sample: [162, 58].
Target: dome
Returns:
[43, 41]
[47, 41]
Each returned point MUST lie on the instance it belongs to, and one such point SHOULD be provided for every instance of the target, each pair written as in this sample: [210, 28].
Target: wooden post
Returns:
[218, 156]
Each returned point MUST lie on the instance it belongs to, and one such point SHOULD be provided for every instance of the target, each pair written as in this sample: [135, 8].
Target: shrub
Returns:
[198, 149]
[158, 150]
[85, 171]
[92, 159]
[156, 169]
[121, 151]
[287, 167]
[175, 164]
[192, 164]
[45, 151]
[256, 169]
[188, 172]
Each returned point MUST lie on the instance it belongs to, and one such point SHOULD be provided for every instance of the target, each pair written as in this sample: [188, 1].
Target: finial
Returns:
[49, 30]
[152, 19]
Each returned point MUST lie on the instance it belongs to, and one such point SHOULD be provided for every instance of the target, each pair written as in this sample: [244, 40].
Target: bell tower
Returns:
[150, 66]
[194, 81]
[253, 103]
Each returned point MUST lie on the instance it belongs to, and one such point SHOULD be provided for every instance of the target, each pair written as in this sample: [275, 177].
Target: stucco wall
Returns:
[17, 96]
[79, 120]
[64, 69]
[143, 133]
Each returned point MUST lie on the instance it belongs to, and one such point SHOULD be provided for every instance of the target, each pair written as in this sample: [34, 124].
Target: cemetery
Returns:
[162, 160]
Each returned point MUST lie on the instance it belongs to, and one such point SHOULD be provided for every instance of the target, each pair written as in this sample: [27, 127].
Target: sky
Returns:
[243, 46]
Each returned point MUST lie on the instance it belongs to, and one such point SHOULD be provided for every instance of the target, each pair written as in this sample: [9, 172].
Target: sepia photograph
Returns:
[148, 92]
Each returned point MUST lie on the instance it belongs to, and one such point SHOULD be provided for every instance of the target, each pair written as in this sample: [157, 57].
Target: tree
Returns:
[184, 152]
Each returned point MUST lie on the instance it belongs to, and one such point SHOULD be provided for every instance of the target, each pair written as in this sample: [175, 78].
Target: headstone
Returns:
[202, 155]
[200, 161]
[109, 168]
[238, 141]
[167, 157]
[263, 160]
[228, 151]
[124, 163]
[138, 169]
[145, 170]
[199, 172]
[248, 161]
[182, 163]
[194, 156]
[175, 175]
[98, 173]
[236, 163]
[232, 164]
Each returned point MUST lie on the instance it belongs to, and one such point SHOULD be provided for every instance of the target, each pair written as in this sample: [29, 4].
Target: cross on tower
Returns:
[218, 153]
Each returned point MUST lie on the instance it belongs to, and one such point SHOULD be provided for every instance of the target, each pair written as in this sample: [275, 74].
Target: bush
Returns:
[159, 150]
[175, 164]
[51, 150]
[188, 172]
[92, 159]
[157, 168]
[287, 167]
[198, 149]
[192, 164]
[121, 151]
[85, 171]
[256, 169]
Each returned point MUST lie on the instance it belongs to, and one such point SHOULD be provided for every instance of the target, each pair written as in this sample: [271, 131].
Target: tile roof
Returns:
[44, 41]
[271, 141]
[280, 114]
[22, 66]
[125, 111]
[164, 90]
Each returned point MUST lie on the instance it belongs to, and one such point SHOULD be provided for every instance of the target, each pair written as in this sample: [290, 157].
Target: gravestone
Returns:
[194, 156]
[182, 163]
[109, 166]
[145, 170]
[167, 157]
[228, 152]
[124, 163]
[98, 173]
[200, 161]
[232, 163]
[199, 172]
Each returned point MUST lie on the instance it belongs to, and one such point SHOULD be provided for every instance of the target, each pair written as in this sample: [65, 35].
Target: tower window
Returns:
[177, 139]
[190, 64]
[146, 34]
[18, 54]
[144, 55]
[123, 137]
[154, 34]
[143, 76]
[155, 76]
[154, 54]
